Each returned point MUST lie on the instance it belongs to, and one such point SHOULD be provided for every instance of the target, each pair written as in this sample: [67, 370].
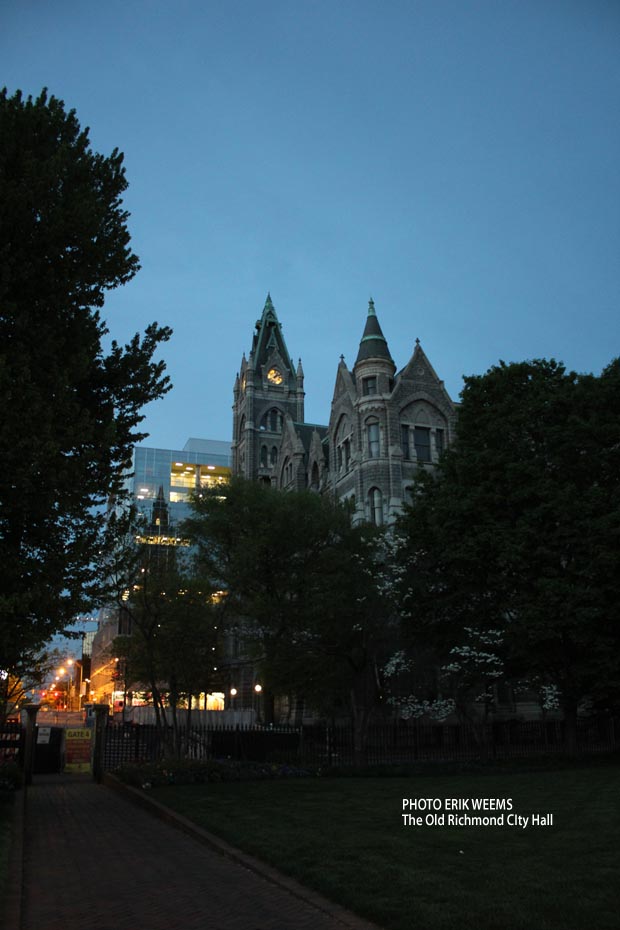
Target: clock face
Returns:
[274, 376]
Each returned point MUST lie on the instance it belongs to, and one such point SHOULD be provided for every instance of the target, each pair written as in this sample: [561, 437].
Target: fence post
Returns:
[101, 721]
[31, 731]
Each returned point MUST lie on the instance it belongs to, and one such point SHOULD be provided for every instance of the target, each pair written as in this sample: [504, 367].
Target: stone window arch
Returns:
[375, 506]
[272, 420]
[344, 438]
[422, 432]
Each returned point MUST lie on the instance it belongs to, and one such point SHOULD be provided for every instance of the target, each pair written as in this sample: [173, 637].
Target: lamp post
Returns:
[258, 688]
[70, 663]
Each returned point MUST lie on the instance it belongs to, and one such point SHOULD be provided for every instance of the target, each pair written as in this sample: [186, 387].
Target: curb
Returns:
[307, 895]
[12, 910]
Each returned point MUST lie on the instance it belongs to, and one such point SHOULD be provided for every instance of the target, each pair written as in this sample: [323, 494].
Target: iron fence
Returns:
[397, 742]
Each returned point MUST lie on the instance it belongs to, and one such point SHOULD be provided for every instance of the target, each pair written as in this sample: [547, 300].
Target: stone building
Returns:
[383, 423]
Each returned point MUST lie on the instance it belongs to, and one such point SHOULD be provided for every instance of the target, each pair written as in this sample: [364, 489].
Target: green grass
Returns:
[345, 838]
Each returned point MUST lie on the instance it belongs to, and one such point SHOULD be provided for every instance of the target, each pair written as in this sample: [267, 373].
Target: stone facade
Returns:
[383, 425]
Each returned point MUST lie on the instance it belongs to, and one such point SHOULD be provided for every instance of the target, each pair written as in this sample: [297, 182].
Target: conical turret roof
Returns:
[373, 343]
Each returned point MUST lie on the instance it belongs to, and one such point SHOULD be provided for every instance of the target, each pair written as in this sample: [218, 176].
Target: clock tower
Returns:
[267, 390]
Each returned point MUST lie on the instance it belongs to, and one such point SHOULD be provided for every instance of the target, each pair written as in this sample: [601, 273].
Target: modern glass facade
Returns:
[201, 463]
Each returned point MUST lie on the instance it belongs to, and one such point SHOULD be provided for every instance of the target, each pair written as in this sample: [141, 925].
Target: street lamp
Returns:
[257, 691]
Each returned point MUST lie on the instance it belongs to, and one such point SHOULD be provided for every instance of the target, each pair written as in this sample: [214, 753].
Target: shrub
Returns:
[175, 772]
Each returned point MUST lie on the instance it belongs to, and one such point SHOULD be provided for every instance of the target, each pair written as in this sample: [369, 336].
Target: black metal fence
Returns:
[397, 742]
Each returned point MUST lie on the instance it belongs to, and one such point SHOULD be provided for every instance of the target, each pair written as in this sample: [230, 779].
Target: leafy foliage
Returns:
[519, 530]
[170, 622]
[70, 411]
[301, 586]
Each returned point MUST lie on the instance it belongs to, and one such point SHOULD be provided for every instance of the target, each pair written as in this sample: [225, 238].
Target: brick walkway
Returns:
[93, 859]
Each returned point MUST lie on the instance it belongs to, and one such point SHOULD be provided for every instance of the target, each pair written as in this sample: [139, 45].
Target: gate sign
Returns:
[77, 749]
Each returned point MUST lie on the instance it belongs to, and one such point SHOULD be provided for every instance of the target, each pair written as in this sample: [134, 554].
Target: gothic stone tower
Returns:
[268, 391]
[384, 425]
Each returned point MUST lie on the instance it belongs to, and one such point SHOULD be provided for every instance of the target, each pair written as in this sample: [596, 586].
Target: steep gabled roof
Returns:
[268, 338]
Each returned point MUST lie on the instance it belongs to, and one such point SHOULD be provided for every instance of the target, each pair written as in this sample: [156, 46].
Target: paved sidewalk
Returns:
[93, 859]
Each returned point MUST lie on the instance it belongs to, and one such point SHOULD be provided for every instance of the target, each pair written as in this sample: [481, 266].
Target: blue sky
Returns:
[457, 161]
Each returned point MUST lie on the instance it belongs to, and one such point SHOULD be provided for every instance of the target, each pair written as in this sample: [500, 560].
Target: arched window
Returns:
[343, 443]
[273, 457]
[263, 456]
[422, 432]
[272, 421]
[372, 429]
[375, 504]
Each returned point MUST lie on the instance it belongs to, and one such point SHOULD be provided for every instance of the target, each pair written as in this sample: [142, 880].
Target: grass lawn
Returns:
[345, 837]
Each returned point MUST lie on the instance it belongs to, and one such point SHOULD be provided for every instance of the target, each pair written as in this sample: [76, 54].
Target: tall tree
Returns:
[301, 584]
[519, 530]
[70, 411]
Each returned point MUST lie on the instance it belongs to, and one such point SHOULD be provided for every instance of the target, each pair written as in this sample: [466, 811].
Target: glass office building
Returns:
[202, 463]
[161, 484]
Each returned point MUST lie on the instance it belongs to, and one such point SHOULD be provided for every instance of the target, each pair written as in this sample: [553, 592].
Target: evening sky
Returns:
[457, 160]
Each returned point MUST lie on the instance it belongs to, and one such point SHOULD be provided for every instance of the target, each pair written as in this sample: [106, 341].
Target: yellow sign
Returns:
[77, 749]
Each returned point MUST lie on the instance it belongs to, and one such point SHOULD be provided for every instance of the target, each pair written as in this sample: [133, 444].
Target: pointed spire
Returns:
[268, 338]
[373, 343]
[300, 371]
[159, 515]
